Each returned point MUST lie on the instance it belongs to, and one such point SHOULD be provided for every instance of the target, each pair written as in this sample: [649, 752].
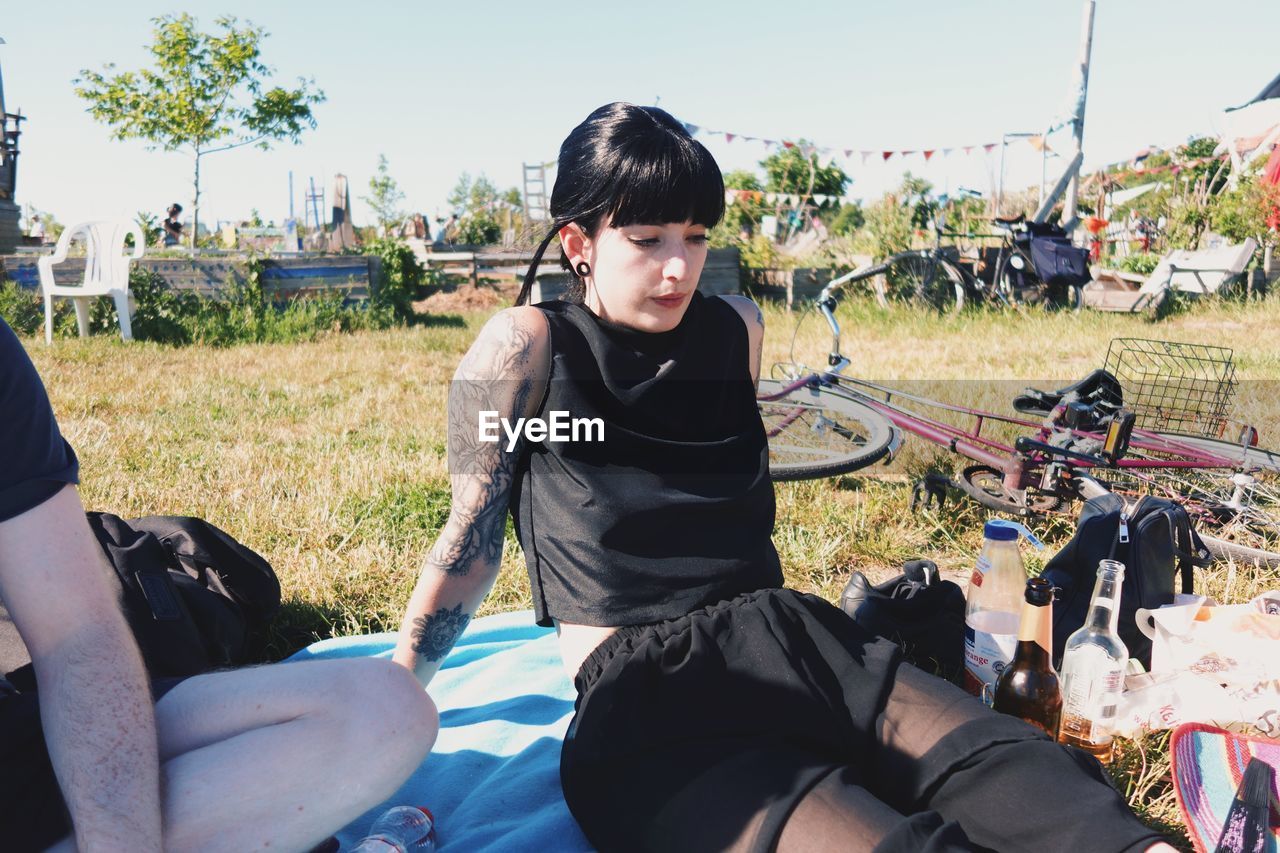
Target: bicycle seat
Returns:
[1009, 220]
[1099, 393]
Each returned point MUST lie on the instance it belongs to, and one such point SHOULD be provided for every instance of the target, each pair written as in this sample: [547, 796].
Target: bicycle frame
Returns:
[1034, 464]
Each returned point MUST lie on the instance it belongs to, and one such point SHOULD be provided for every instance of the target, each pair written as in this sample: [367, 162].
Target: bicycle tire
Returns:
[912, 277]
[1068, 298]
[815, 433]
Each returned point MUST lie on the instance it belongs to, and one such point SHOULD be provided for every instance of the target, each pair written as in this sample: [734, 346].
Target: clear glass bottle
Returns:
[1093, 664]
[993, 604]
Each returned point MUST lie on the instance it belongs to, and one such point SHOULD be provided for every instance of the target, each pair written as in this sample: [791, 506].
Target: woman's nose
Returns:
[676, 266]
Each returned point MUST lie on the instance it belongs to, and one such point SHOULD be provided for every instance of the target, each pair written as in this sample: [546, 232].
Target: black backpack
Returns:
[1162, 545]
[192, 594]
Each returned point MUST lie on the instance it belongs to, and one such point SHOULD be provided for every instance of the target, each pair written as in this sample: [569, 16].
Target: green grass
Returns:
[328, 456]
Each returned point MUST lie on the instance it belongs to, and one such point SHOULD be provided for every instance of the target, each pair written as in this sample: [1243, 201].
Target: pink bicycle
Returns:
[1083, 440]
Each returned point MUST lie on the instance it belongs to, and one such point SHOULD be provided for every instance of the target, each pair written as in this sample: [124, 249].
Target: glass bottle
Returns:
[1028, 687]
[1093, 664]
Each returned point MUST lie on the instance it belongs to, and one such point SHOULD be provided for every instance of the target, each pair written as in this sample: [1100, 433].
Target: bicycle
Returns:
[822, 424]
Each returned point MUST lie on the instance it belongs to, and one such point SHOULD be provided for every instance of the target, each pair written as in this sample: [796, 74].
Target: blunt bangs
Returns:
[662, 178]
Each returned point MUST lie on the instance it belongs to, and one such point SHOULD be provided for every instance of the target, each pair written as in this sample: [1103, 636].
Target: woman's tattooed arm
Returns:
[505, 371]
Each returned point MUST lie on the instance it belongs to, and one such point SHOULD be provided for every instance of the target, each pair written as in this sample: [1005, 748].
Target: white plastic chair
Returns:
[106, 272]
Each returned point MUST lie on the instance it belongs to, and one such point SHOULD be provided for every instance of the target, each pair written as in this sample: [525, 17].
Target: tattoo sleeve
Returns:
[494, 376]
[434, 635]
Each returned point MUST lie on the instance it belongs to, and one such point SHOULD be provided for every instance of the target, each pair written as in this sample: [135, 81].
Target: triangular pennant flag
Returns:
[788, 145]
[1037, 142]
[748, 139]
[946, 152]
[848, 152]
[927, 154]
[886, 155]
[968, 149]
[730, 196]
[865, 155]
[907, 153]
[691, 128]
[728, 137]
[769, 143]
[793, 200]
[989, 147]
[771, 198]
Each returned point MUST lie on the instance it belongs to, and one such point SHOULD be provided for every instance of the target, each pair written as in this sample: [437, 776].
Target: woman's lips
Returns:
[670, 300]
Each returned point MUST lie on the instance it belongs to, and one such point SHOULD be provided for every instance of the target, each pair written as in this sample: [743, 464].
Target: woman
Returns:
[715, 709]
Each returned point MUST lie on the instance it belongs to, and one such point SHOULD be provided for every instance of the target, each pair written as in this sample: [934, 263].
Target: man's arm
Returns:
[95, 700]
[504, 372]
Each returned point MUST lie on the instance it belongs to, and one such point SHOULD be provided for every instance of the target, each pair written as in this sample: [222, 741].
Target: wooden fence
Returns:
[282, 278]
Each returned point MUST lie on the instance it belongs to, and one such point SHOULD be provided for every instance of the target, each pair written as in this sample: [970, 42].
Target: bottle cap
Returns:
[1039, 591]
[1007, 531]
[998, 530]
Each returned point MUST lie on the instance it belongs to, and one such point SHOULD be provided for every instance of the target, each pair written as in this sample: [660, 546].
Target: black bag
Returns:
[1161, 545]
[1058, 263]
[192, 594]
[916, 610]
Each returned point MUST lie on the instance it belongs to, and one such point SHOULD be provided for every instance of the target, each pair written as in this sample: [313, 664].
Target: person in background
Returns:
[172, 226]
[101, 758]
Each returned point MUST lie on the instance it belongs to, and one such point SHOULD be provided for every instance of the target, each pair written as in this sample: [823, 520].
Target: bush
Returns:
[242, 315]
[1143, 263]
[403, 278]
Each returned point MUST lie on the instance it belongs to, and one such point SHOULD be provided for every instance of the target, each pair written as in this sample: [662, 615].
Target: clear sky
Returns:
[443, 88]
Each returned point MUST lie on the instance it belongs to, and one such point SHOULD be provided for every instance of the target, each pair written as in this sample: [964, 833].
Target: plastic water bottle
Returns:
[402, 829]
[994, 605]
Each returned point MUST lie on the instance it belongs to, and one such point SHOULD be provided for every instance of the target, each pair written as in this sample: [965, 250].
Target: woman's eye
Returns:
[645, 241]
[698, 238]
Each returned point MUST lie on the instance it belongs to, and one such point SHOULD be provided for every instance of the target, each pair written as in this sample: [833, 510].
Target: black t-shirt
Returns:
[35, 460]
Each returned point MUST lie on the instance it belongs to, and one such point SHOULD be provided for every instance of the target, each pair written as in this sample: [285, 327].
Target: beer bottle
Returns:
[1028, 686]
[1093, 664]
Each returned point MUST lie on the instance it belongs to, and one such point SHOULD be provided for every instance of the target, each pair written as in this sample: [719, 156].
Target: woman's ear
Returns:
[575, 242]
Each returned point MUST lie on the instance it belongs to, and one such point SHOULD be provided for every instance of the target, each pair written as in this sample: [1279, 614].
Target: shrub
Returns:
[1143, 263]
[20, 308]
[403, 278]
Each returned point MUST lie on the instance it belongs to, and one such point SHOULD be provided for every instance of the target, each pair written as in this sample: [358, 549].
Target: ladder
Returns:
[535, 192]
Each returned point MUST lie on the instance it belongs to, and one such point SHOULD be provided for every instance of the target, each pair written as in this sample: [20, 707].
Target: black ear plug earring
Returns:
[583, 269]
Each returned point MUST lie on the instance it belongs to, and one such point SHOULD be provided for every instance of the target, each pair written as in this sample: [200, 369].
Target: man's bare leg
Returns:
[279, 757]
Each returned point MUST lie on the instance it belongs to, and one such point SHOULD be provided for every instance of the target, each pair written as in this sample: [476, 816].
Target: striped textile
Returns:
[1208, 764]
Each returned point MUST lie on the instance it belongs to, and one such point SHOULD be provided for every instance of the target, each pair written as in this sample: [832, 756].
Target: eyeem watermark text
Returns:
[558, 427]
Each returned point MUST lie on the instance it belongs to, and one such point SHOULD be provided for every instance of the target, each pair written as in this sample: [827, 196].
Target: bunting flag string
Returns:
[789, 199]
[1038, 142]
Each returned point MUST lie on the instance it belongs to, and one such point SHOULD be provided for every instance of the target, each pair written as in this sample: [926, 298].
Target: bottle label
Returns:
[987, 653]
[1091, 686]
[984, 566]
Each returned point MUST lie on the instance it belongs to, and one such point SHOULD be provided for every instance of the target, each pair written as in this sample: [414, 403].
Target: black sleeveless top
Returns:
[674, 509]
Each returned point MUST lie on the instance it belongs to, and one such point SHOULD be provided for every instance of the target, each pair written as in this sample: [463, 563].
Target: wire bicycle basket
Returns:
[1174, 387]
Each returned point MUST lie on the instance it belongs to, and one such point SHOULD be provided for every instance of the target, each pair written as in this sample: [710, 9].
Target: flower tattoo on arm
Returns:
[434, 635]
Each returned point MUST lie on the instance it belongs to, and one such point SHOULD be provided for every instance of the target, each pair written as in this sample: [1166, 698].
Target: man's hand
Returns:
[95, 700]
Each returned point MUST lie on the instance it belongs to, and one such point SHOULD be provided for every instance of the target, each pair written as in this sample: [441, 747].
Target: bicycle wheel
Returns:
[1020, 286]
[817, 433]
[923, 280]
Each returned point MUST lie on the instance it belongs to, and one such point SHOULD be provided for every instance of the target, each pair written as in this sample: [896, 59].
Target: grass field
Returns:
[328, 457]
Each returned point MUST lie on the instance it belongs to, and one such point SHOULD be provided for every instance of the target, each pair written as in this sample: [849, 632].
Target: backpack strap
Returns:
[1188, 547]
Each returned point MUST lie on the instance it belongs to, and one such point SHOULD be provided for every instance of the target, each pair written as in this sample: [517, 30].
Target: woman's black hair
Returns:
[636, 165]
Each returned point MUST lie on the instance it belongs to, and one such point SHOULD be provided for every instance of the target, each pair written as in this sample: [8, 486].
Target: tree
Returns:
[384, 197]
[206, 94]
[795, 170]
[481, 209]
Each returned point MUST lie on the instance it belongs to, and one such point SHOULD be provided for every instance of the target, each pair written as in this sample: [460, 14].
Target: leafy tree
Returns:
[793, 171]
[482, 210]
[384, 197]
[149, 225]
[846, 220]
[1251, 209]
[205, 94]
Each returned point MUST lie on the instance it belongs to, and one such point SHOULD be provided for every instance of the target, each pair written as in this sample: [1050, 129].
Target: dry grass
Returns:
[328, 457]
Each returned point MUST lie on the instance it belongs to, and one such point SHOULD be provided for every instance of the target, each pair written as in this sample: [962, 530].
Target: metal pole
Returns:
[1077, 125]
[1004, 143]
[291, 193]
